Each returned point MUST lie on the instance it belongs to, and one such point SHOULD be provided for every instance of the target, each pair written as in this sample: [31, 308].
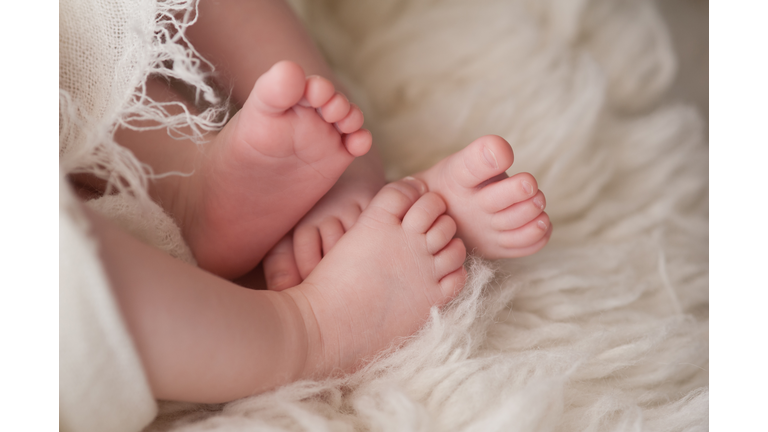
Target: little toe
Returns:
[452, 284]
[450, 258]
[519, 214]
[280, 88]
[318, 92]
[440, 234]
[527, 234]
[352, 122]
[529, 250]
[481, 160]
[335, 109]
[358, 143]
[423, 213]
[397, 197]
[502, 194]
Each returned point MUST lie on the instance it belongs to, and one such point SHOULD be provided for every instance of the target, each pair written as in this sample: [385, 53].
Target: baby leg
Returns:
[203, 339]
[244, 38]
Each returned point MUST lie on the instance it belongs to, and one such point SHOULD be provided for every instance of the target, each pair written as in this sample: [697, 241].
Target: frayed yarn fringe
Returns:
[107, 89]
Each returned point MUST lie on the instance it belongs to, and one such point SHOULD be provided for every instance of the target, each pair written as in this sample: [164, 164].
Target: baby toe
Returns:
[452, 283]
[350, 215]
[424, 213]
[396, 197]
[532, 249]
[280, 270]
[280, 88]
[318, 91]
[335, 109]
[307, 246]
[502, 194]
[352, 122]
[519, 214]
[441, 233]
[450, 258]
[481, 160]
[331, 231]
[358, 142]
[526, 235]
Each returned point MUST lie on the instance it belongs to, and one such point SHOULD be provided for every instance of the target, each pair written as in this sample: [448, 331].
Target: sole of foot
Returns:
[270, 164]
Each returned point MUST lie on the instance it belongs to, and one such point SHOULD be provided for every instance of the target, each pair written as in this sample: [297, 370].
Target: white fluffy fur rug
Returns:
[606, 329]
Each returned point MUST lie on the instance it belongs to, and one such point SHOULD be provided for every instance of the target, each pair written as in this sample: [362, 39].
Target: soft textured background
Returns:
[607, 327]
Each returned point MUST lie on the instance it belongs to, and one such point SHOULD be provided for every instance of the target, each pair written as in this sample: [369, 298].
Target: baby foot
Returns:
[270, 164]
[381, 278]
[497, 216]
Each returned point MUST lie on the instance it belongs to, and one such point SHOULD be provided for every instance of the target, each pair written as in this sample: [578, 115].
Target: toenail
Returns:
[416, 183]
[539, 202]
[490, 158]
[542, 225]
[528, 188]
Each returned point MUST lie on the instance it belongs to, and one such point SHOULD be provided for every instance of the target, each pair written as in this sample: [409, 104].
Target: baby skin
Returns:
[293, 128]
[497, 216]
[203, 339]
[363, 297]
[304, 132]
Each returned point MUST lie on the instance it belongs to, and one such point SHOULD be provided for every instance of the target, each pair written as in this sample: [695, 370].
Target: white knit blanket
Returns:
[605, 329]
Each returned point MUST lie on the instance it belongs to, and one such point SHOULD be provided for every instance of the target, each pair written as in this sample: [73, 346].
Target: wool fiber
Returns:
[107, 49]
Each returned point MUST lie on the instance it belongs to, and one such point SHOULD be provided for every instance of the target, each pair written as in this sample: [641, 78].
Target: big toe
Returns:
[482, 160]
[280, 88]
[397, 197]
[424, 212]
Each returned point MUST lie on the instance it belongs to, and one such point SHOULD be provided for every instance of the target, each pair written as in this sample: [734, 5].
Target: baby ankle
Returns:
[310, 352]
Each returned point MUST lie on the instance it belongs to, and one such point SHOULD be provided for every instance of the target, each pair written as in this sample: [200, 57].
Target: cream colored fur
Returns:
[606, 329]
